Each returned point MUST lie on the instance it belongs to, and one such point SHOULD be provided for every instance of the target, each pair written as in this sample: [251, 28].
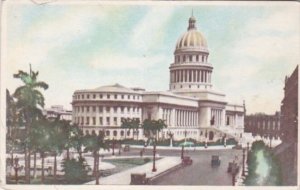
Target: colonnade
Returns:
[191, 75]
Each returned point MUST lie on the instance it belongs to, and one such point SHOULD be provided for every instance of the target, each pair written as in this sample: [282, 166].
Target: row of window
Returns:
[100, 109]
[106, 96]
[263, 123]
[190, 58]
[115, 133]
[101, 121]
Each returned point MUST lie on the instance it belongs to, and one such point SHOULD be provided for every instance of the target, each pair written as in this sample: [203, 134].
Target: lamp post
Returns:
[16, 167]
[185, 132]
[154, 153]
[113, 144]
[243, 171]
[171, 137]
[247, 151]
[182, 150]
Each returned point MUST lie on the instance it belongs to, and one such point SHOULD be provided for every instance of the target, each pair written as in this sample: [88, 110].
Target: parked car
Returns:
[187, 160]
[126, 148]
[215, 160]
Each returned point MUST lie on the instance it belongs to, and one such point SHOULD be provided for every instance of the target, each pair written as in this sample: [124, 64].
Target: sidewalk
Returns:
[217, 147]
[123, 178]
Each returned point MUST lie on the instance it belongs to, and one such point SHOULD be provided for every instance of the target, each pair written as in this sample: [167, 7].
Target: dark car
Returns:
[215, 160]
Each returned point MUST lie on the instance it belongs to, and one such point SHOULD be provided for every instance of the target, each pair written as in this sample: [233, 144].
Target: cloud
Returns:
[151, 28]
[265, 50]
[119, 61]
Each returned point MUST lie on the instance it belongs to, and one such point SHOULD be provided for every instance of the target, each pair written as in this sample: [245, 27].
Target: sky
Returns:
[84, 46]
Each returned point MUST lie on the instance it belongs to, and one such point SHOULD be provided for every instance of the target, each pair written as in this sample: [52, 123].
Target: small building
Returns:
[58, 111]
[264, 125]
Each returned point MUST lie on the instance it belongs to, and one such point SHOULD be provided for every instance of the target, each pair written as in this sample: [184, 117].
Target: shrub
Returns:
[146, 160]
[75, 170]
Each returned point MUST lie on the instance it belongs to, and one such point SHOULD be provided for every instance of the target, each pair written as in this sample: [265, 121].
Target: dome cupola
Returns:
[191, 70]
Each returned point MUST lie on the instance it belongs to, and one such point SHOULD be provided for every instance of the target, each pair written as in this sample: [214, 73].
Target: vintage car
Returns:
[215, 160]
[187, 160]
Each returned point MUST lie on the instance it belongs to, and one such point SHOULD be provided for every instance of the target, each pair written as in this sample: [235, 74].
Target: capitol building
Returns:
[191, 107]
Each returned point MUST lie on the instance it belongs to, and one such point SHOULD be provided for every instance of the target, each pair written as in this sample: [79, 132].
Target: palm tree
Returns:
[93, 144]
[77, 139]
[151, 129]
[12, 122]
[29, 101]
[41, 138]
[130, 124]
[59, 140]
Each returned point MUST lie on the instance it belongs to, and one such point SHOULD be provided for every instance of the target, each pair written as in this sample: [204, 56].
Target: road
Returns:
[200, 172]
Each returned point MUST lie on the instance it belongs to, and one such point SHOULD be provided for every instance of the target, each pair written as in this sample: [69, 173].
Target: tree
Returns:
[93, 144]
[151, 129]
[75, 170]
[29, 101]
[131, 124]
[12, 122]
[77, 139]
[41, 138]
[59, 140]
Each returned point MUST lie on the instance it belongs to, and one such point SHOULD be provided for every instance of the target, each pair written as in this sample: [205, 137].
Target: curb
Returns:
[152, 179]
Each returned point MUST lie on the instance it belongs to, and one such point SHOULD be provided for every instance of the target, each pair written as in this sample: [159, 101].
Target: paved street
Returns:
[200, 172]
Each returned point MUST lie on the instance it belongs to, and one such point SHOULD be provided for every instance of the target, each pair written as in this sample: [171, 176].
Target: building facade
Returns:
[287, 151]
[267, 126]
[191, 108]
[58, 111]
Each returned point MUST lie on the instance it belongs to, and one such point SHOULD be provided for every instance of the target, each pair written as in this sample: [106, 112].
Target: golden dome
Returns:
[192, 38]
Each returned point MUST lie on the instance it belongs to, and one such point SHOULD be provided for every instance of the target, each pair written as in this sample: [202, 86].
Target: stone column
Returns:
[192, 76]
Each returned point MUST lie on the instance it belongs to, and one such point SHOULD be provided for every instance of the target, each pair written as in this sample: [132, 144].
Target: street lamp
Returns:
[113, 144]
[16, 167]
[185, 132]
[243, 171]
[170, 134]
[182, 150]
[154, 152]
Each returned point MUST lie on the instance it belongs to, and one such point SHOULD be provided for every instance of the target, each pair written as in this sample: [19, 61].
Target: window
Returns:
[197, 57]
[122, 96]
[82, 108]
[88, 96]
[115, 109]
[94, 108]
[133, 109]
[94, 96]
[107, 109]
[87, 120]
[107, 120]
[191, 58]
[202, 58]
[115, 133]
[94, 120]
[82, 120]
[82, 96]
[100, 109]
[107, 133]
[87, 108]
[122, 109]
[183, 58]
[115, 120]
[100, 121]
[227, 123]
[122, 133]
[116, 96]
[134, 97]
[101, 96]
[108, 96]
[128, 97]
